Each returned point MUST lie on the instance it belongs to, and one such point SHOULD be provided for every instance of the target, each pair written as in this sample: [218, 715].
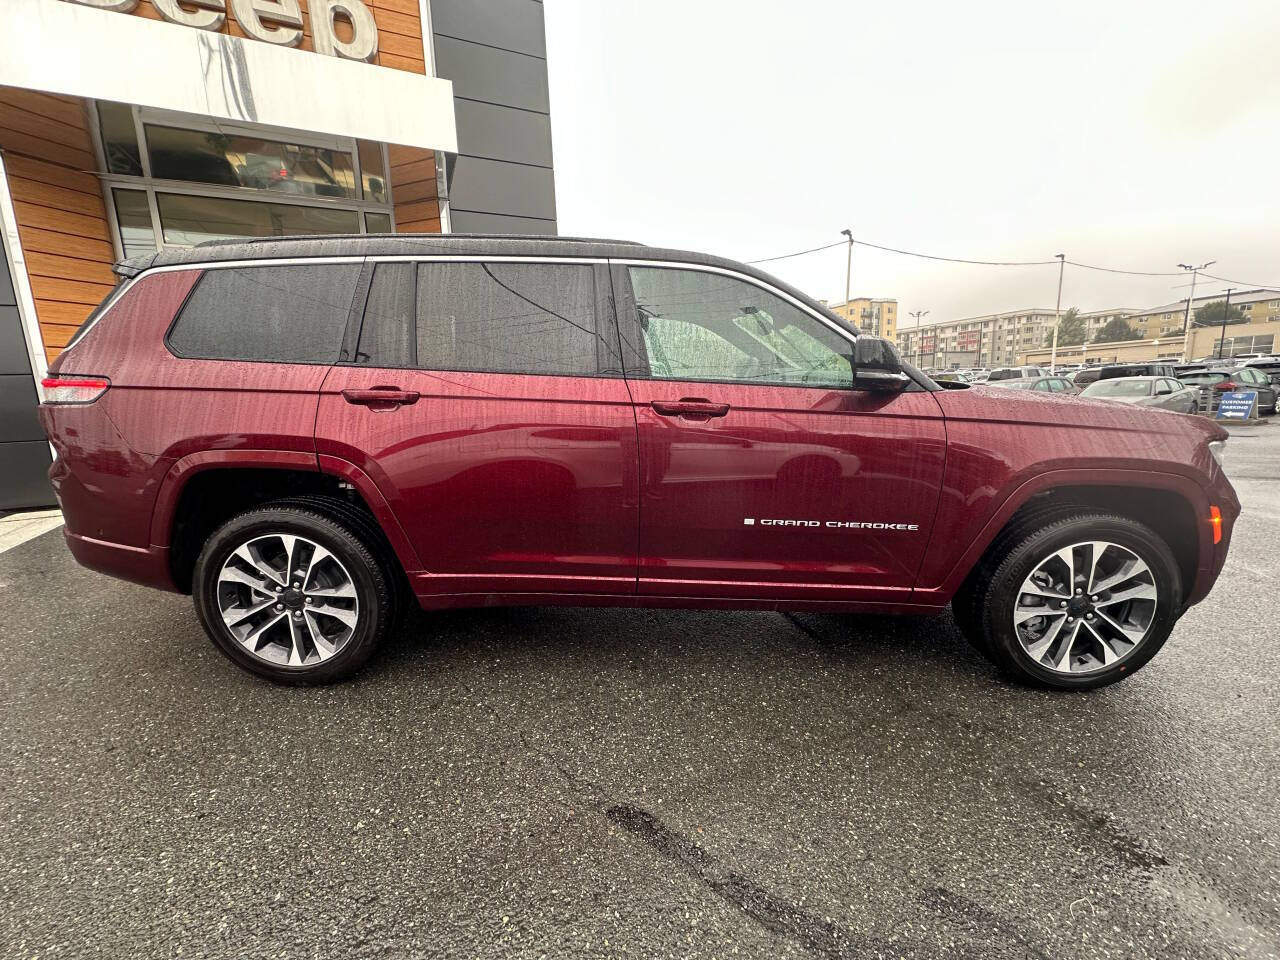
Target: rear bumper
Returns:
[148, 566]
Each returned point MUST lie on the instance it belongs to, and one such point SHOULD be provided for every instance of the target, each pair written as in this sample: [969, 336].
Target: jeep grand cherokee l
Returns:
[311, 434]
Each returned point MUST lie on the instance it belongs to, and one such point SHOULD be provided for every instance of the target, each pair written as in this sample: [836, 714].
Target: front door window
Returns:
[707, 326]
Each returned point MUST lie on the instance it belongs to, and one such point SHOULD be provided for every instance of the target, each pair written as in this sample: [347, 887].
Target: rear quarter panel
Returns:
[114, 454]
[1005, 446]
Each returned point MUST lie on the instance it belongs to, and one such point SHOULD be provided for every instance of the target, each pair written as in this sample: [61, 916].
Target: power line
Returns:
[1262, 286]
[984, 263]
[1132, 273]
[801, 253]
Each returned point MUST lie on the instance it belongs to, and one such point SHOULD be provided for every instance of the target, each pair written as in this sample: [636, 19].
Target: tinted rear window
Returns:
[286, 314]
[507, 318]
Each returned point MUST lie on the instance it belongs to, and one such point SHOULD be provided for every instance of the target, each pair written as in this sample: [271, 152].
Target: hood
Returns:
[1033, 407]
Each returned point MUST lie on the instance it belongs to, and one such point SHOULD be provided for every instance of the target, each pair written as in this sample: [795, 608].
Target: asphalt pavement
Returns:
[605, 783]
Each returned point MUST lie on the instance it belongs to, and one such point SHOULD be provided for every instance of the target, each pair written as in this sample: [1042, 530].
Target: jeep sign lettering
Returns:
[272, 21]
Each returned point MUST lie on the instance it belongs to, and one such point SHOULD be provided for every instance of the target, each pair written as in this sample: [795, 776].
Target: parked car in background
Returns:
[979, 375]
[1016, 373]
[1043, 384]
[1226, 380]
[1110, 370]
[1166, 393]
[950, 376]
[1270, 366]
[1085, 376]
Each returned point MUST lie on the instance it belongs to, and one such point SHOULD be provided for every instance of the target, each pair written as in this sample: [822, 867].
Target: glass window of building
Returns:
[186, 180]
[133, 218]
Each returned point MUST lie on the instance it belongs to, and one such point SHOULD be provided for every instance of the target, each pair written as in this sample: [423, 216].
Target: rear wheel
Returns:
[1081, 602]
[292, 594]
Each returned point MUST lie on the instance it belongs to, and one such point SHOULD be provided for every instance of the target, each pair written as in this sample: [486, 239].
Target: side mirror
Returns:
[876, 365]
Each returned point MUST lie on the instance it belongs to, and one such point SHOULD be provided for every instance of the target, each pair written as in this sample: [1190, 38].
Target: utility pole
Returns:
[1226, 311]
[917, 315]
[1186, 320]
[1057, 313]
[848, 274]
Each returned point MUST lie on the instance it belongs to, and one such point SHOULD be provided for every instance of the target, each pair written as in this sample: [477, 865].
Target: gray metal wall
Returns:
[24, 454]
[495, 53]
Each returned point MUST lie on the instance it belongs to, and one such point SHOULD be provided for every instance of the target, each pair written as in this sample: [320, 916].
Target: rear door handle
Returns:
[690, 408]
[381, 398]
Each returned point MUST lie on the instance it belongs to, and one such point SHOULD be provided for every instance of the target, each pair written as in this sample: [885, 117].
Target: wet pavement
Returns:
[558, 782]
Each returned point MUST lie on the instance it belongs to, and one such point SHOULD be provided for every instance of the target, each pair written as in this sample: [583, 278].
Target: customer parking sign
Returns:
[1240, 405]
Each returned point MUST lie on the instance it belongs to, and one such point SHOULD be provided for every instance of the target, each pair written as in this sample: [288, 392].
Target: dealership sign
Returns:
[273, 21]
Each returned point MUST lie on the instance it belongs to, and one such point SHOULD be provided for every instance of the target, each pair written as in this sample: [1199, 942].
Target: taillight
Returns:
[1224, 385]
[74, 389]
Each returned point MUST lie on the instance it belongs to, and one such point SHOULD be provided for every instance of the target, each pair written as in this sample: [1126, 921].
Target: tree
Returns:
[1210, 315]
[1070, 330]
[1115, 330]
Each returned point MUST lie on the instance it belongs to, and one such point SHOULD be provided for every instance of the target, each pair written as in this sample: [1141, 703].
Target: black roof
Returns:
[437, 244]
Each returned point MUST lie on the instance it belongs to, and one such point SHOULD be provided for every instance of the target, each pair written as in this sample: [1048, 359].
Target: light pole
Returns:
[1057, 313]
[1186, 320]
[1226, 312]
[917, 314]
[848, 273]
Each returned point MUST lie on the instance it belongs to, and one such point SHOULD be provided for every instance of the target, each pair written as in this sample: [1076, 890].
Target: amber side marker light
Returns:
[1215, 521]
[74, 389]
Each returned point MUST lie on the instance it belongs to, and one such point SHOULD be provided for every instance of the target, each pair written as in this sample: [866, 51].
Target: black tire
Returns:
[1027, 547]
[373, 579]
[966, 609]
[971, 599]
[366, 529]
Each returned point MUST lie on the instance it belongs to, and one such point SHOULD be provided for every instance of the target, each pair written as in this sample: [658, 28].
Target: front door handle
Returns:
[381, 398]
[690, 408]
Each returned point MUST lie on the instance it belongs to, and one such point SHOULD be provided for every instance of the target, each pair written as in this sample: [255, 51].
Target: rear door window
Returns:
[283, 314]
[386, 334]
[534, 318]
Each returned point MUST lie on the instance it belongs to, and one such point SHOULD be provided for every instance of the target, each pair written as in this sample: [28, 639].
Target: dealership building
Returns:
[128, 125]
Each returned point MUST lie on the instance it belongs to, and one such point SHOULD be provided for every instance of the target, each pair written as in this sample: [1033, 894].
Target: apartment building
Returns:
[995, 339]
[872, 314]
[1095, 320]
[1258, 306]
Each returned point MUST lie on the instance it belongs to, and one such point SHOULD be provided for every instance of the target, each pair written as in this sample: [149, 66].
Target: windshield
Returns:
[1119, 388]
[1006, 374]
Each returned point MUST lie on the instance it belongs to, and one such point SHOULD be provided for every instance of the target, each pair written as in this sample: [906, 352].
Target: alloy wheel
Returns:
[287, 600]
[1085, 607]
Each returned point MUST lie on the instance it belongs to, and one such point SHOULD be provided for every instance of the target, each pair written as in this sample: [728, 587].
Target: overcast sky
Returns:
[1124, 133]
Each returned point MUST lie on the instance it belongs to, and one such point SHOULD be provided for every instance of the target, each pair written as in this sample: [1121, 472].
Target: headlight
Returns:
[1219, 450]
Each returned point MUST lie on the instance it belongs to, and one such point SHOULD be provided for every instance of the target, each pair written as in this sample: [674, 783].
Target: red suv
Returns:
[309, 434]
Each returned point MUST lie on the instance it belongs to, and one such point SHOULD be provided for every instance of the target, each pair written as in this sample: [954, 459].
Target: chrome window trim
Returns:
[845, 333]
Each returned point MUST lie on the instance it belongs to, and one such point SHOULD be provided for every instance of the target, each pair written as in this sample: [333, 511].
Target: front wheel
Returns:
[1082, 602]
[293, 595]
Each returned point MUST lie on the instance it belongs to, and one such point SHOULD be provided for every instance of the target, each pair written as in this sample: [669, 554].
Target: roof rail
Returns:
[548, 238]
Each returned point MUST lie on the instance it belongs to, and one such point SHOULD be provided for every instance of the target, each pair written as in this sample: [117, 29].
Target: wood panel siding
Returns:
[57, 200]
[413, 190]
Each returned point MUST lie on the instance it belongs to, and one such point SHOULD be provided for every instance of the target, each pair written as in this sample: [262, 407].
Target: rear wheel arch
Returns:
[205, 495]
